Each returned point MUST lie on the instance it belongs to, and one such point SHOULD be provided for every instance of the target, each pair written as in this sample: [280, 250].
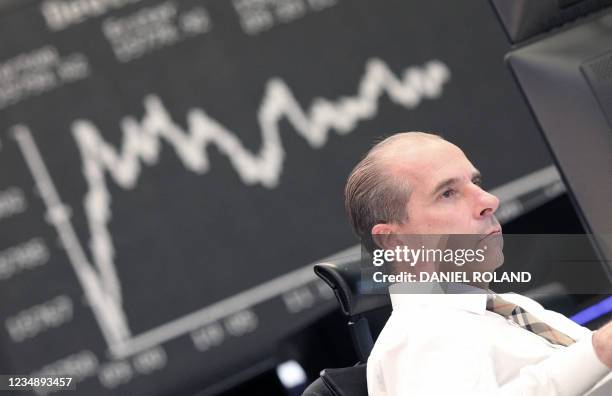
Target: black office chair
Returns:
[345, 278]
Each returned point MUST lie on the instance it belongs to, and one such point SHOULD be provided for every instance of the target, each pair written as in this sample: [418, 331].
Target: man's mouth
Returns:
[496, 231]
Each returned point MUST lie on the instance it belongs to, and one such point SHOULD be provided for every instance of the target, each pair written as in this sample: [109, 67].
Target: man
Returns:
[459, 344]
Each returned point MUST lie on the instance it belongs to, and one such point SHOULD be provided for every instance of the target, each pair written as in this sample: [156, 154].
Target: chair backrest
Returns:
[355, 297]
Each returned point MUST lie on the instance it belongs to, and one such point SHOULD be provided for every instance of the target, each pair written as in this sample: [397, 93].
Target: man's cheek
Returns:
[445, 222]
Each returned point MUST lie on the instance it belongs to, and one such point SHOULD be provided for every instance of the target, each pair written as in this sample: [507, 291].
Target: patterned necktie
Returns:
[526, 320]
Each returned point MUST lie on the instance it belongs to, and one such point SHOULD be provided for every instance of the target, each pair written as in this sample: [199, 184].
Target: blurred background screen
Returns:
[169, 170]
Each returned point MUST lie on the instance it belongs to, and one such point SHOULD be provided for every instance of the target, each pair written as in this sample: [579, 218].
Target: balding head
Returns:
[376, 190]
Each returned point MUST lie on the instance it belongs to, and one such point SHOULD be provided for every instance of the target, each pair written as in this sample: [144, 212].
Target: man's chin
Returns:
[494, 260]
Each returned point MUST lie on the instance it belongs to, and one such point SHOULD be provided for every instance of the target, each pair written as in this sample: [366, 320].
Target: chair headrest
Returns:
[355, 295]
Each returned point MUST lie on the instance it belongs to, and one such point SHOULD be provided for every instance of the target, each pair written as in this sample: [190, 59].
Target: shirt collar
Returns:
[436, 295]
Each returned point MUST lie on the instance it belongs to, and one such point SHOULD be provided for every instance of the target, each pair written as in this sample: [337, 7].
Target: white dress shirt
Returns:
[449, 344]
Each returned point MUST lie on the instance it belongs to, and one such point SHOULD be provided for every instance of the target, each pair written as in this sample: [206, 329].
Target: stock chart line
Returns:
[142, 141]
[108, 314]
[141, 145]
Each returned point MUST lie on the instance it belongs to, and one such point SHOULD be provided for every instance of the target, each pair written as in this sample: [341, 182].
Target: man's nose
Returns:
[487, 203]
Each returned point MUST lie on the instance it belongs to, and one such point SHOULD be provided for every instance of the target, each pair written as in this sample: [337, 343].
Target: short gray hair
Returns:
[373, 195]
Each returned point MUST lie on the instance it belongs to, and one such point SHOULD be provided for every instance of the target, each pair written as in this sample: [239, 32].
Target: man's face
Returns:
[446, 195]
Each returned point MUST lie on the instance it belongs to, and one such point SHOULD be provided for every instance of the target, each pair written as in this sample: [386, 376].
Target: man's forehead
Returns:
[426, 163]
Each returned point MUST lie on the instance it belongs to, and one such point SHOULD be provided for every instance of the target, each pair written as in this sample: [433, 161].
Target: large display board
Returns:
[168, 169]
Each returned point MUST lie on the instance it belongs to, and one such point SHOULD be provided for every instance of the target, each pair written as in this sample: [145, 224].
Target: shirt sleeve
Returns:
[571, 371]
[458, 370]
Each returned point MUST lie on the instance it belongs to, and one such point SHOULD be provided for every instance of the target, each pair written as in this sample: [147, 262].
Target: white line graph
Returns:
[141, 145]
[108, 313]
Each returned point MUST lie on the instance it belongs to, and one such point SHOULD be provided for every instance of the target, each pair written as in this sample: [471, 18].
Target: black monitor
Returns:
[567, 80]
[523, 19]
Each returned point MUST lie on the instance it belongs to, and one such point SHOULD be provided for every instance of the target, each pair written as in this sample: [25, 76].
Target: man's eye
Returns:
[448, 193]
[477, 181]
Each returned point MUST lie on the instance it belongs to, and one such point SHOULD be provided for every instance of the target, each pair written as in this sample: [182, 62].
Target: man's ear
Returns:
[384, 236]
